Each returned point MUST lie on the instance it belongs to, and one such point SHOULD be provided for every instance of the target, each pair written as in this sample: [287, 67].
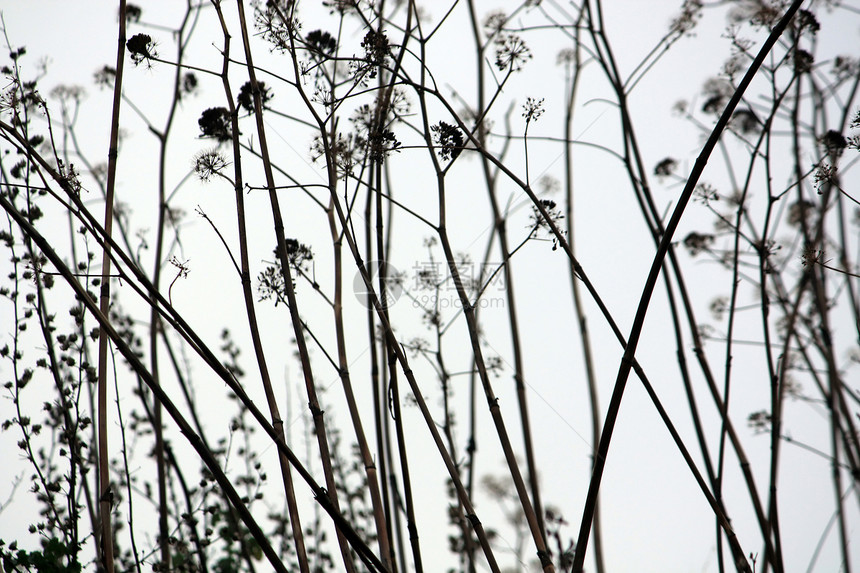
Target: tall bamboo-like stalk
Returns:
[283, 255]
[381, 112]
[380, 395]
[105, 494]
[382, 530]
[386, 345]
[500, 227]
[274, 411]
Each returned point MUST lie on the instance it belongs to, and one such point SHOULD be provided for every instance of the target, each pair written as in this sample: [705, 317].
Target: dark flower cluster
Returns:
[666, 167]
[533, 109]
[698, 242]
[691, 13]
[552, 209]
[245, 99]
[376, 50]
[188, 85]
[275, 25]
[132, 13]
[299, 254]
[803, 61]
[759, 422]
[800, 212]
[705, 193]
[746, 121]
[141, 47]
[215, 123]
[70, 177]
[347, 151]
[759, 13]
[844, 68]
[321, 42]
[105, 76]
[362, 119]
[449, 140]
[833, 143]
[807, 22]
[19, 94]
[825, 174]
[380, 144]
[717, 92]
[271, 280]
[495, 22]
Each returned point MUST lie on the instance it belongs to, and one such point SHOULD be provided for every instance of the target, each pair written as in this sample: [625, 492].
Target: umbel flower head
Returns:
[376, 48]
[271, 284]
[141, 47]
[380, 144]
[321, 42]
[666, 167]
[245, 99]
[533, 109]
[449, 139]
[833, 143]
[552, 209]
[215, 122]
[209, 163]
[511, 52]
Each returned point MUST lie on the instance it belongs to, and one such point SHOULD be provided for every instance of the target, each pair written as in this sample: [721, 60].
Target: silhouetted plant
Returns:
[431, 291]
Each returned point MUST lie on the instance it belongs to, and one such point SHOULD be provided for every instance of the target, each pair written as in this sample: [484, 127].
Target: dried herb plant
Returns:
[476, 228]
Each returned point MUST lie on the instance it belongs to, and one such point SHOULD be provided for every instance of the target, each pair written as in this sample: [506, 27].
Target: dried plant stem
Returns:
[274, 411]
[382, 532]
[320, 494]
[571, 88]
[636, 330]
[500, 227]
[380, 397]
[155, 326]
[105, 493]
[776, 394]
[386, 89]
[492, 400]
[400, 356]
[283, 255]
[387, 343]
